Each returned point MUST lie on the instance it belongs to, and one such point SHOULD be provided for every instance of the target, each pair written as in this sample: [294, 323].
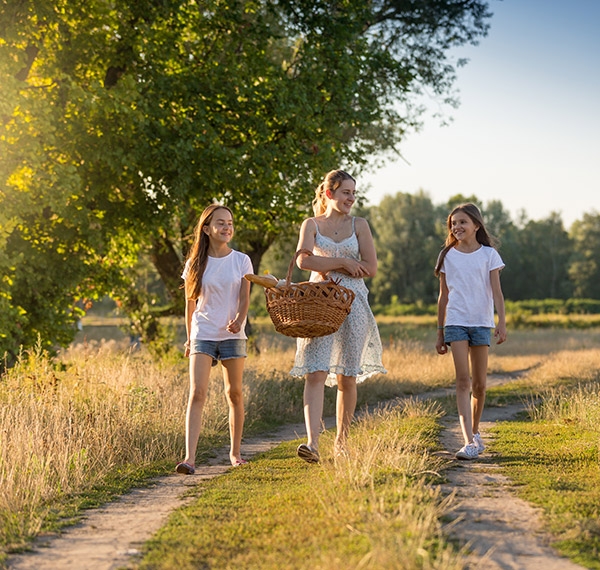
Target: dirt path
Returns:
[502, 531]
[111, 537]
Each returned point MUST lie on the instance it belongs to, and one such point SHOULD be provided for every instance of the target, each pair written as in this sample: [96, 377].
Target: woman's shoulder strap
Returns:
[314, 221]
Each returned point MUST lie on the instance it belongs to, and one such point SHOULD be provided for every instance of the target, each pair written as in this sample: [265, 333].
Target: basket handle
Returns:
[288, 278]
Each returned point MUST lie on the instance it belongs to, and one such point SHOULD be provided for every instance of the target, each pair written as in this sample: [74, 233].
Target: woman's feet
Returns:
[185, 468]
[236, 462]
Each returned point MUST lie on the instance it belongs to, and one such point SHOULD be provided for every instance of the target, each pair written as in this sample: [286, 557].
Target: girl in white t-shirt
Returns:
[469, 271]
[217, 298]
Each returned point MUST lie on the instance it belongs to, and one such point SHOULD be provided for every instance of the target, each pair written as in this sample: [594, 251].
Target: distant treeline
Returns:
[548, 268]
[527, 307]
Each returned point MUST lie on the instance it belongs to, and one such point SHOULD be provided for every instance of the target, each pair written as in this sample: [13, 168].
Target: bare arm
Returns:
[324, 265]
[235, 325]
[190, 307]
[440, 345]
[368, 254]
[500, 332]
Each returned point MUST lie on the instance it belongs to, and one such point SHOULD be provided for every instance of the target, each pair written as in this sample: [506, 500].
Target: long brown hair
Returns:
[482, 235]
[331, 182]
[198, 254]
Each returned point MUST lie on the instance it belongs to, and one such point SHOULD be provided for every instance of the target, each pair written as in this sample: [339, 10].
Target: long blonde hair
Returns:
[331, 182]
[198, 254]
[482, 235]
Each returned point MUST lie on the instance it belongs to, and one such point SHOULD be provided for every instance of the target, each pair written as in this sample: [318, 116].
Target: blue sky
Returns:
[527, 131]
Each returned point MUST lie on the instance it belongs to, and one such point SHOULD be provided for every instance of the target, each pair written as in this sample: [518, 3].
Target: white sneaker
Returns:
[478, 441]
[468, 451]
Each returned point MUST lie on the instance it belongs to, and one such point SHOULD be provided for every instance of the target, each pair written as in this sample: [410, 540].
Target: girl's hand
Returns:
[500, 334]
[440, 345]
[234, 326]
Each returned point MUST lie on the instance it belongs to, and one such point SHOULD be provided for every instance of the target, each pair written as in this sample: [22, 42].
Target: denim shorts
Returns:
[477, 336]
[220, 349]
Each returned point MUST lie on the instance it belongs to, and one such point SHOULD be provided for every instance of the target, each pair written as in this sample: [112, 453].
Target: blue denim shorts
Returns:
[220, 349]
[477, 336]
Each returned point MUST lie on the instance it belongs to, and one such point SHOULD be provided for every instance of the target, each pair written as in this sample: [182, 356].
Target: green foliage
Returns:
[555, 306]
[397, 309]
[585, 267]
[121, 121]
[405, 235]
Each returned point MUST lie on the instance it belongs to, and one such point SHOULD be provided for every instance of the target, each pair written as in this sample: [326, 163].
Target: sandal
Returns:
[307, 453]
[239, 462]
[185, 468]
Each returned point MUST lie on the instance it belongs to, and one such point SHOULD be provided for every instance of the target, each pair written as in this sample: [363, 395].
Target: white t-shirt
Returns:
[219, 300]
[470, 297]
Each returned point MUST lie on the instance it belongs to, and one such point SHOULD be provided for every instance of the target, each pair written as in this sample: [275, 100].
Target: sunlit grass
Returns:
[76, 430]
[372, 509]
[554, 457]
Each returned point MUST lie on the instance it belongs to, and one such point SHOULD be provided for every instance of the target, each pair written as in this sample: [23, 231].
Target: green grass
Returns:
[553, 456]
[556, 467]
[376, 509]
[128, 413]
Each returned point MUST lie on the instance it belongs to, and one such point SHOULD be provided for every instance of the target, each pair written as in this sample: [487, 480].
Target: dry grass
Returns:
[65, 427]
[569, 385]
[374, 509]
[384, 478]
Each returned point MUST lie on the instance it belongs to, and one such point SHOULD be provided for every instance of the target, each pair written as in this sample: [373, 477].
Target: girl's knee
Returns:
[316, 379]
[478, 391]
[463, 383]
[198, 396]
[235, 397]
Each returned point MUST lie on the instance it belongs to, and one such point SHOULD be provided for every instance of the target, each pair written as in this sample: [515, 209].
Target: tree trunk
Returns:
[169, 266]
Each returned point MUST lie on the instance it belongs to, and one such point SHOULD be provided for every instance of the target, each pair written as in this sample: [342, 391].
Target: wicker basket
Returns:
[308, 309]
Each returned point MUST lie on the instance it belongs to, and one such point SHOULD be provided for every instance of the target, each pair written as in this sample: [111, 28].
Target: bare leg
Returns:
[345, 406]
[479, 362]
[200, 365]
[460, 355]
[233, 370]
[314, 393]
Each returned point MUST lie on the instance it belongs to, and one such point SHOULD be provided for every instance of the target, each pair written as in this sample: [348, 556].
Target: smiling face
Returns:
[463, 228]
[220, 226]
[343, 197]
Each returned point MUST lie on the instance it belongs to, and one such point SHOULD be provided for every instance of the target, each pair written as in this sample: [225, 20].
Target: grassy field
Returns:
[554, 454]
[79, 429]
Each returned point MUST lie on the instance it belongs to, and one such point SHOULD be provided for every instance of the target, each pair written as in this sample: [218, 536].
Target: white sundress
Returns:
[355, 349]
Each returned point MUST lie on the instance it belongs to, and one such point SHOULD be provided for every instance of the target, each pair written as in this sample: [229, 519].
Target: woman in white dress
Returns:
[343, 249]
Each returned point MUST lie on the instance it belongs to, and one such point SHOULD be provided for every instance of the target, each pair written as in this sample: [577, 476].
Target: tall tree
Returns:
[584, 269]
[404, 231]
[120, 121]
[545, 250]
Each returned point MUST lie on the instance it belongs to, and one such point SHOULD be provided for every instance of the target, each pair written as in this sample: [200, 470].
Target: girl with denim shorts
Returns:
[217, 299]
[469, 271]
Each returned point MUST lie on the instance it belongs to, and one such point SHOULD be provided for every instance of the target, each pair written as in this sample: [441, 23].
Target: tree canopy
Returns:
[120, 121]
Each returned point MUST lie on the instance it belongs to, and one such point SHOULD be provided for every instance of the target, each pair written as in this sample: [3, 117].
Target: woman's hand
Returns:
[353, 267]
